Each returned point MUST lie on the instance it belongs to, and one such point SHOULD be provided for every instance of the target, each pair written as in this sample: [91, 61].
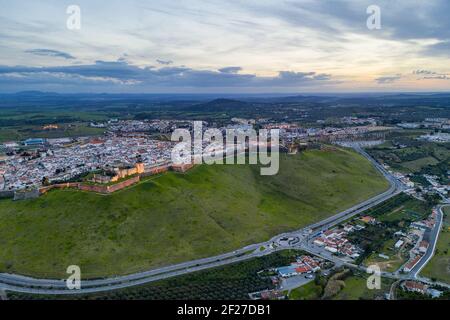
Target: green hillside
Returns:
[178, 217]
[439, 266]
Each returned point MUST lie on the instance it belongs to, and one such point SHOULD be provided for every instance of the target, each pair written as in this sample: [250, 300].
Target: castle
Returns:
[124, 176]
[118, 173]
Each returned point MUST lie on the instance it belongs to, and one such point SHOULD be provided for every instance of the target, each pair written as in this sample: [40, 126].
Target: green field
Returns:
[356, 289]
[18, 133]
[396, 257]
[309, 291]
[408, 155]
[439, 266]
[178, 217]
[351, 286]
[417, 165]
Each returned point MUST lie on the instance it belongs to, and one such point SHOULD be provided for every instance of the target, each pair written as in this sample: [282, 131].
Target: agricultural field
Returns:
[406, 154]
[178, 217]
[402, 210]
[355, 288]
[22, 123]
[439, 266]
[342, 285]
[66, 130]
[309, 291]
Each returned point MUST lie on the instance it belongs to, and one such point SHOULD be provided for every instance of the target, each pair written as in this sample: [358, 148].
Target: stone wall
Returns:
[121, 185]
[104, 189]
[26, 194]
[182, 167]
[155, 170]
[6, 194]
[59, 186]
[93, 188]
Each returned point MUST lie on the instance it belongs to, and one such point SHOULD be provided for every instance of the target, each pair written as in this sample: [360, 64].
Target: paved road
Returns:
[434, 235]
[50, 286]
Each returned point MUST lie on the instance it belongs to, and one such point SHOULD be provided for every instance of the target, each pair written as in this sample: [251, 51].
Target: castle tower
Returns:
[140, 167]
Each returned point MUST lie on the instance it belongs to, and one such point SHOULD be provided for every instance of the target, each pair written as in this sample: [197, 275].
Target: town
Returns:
[35, 162]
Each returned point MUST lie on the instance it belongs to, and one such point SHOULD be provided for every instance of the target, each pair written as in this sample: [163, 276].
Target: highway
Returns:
[299, 240]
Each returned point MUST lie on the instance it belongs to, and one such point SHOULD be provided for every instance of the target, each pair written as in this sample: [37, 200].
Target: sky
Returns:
[219, 46]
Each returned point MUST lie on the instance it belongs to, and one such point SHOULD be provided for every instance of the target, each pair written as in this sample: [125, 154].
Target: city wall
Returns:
[123, 184]
[59, 186]
[6, 194]
[26, 194]
[182, 168]
[98, 188]
[155, 170]
[93, 188]
[105, 189]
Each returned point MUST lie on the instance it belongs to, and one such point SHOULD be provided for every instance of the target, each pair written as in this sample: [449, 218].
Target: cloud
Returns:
[427, 74]
[164, 62]
[441, 48]
[50, 53]
[404, 20]
[230, 69]
[118, 74]
[388, 79]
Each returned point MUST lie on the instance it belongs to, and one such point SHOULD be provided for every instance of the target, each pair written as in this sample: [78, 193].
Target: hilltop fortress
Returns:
[108, 184]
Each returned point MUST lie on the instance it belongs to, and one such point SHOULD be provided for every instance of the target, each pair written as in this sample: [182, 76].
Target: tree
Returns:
[45, 181]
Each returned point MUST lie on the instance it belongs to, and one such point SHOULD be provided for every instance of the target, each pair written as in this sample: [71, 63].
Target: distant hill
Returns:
[219, 105]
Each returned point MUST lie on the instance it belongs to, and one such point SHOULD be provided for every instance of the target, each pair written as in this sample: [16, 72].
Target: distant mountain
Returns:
[219, 105]
[227, 102]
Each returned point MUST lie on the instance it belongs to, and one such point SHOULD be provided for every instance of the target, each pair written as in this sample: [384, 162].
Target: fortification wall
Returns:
[105, 189]
[6, 194]
[93, 188]
[182, 167]
[123, 184]
[59, 186]
[109, 189]
[26, 194]
[155, 170]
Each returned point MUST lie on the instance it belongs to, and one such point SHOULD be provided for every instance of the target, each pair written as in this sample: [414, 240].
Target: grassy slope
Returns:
[356, 289]
[178, 217]
[309, 291]
[439, 265]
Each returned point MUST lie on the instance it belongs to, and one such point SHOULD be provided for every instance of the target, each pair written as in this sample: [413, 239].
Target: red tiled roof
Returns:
[414, 285]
